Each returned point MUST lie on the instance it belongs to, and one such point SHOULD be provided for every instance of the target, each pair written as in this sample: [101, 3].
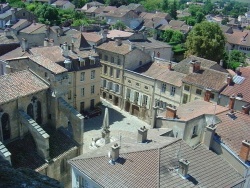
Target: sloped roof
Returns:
[150, 166]
[112, 47]
[19, 23]
[18, 52]
[161, 72]
[207, 78]
[233, 131]
[91, 36]
[150, 43]
[34, 28]
[183, 66]
[237, 38]
[118, 34]
[48, 64]
[8, 39]
[243, 88]
[19, 84]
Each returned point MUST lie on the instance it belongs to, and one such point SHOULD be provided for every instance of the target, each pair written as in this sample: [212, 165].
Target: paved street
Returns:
[120, 122]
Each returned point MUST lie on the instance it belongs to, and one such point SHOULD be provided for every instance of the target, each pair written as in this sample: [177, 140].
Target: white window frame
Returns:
[92, 76]
[82, 76]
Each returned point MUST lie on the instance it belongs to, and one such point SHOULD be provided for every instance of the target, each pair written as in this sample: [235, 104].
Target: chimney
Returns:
[183, 167]
[231, 102]
[118, 42]
[65, 49]
[104, 34]
[46, 42]
[237, 71]
[143, 48]
[209, 135]
[142, 135]
[229, 80]
[207, 95]
[244, 150]
[246, 109]
[131, 46]
[171, 112]
[13, 15]
[24, 44]
[34, 22]
[1, 8]
[7, 32]
[196, 66]
[51, 42]
[115, 152]
[170, 66]
[153, 120]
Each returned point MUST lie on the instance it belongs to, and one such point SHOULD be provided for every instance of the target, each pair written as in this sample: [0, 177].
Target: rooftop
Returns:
[206, 169]
[34, 28]
[197, 108]
[111, 46]
[160, 71]
[91, 36]
[18, 52]
[183, 66]
[232, 131]
[8, 39]
[207, 78]
[19, 84]
[150, 43]
[118, 34]
[243, 88]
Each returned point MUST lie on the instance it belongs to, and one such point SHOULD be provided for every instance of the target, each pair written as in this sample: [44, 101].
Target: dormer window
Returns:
[67, 63]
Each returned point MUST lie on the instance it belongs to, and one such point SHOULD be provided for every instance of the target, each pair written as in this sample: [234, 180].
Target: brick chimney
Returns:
[237, 71]
[246, 109]
[229, 80]
[231, 102]
[171, 112]
[142, 135]
[183, 167]
[207, 95]
[195, 66]
[244, 150]
[170, 66]
[115, 152]
[209, 134]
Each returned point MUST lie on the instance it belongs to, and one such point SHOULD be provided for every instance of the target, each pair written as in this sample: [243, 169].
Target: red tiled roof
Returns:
[207, 78]
[48, 64]
[118, 34]
[237, 38]
[112, 47]
[19, 84]
[243, 88]
[92, 37]
[18, 52]
[233, 131]
[34, 28]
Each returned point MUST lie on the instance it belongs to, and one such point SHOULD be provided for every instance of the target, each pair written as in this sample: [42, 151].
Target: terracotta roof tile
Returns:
[92, 37]
[243, 88]
[118, 34]
[207, 78]
[48, 64]
[19, 23]
[151, 167]
[233, 131]
[112, 47]
[18, 52]
[34, 28]
[19, 84]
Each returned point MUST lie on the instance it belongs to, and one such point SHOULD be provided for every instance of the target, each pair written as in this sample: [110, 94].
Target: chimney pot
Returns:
[170, 66]
[142, 135]
[231, 102]
[207, 95]
[244, 151]
[246, 109]
[171, 112]
[209, 135]
[115, 152]
[229, 80]
[183, 167]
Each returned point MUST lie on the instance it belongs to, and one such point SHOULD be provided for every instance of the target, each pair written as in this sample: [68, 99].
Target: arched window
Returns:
[5, 120]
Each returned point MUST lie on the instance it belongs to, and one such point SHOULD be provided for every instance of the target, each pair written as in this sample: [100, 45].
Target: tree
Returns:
[164, 5]
[177, 37]
[119, 25]
[167, 35]
[199, 17]
[236, 58]
[47, 14]
[173, 10]
[206, 40]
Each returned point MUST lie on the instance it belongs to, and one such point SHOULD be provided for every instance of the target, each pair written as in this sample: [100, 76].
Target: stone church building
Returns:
[38, 128]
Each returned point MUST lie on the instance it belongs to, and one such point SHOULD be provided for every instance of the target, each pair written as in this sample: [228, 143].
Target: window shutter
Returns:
[102, 82]
[148, 102]
[132, 95]
[140, 99]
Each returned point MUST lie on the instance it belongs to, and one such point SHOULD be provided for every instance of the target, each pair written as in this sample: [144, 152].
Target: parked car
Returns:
[92, 113]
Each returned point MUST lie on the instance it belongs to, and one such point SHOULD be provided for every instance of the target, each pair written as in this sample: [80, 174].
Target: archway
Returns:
[5, 120]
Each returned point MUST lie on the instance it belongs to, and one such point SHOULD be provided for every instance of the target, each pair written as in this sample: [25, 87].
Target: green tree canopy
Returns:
[172, 36]
[164, 5]
[47, 14]
[119, 25]
[173, 10]
[199, 17]
[236, 58]
[206, 40]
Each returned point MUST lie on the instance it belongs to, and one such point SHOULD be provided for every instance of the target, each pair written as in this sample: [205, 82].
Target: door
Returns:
[5, 120]
[81, 107]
